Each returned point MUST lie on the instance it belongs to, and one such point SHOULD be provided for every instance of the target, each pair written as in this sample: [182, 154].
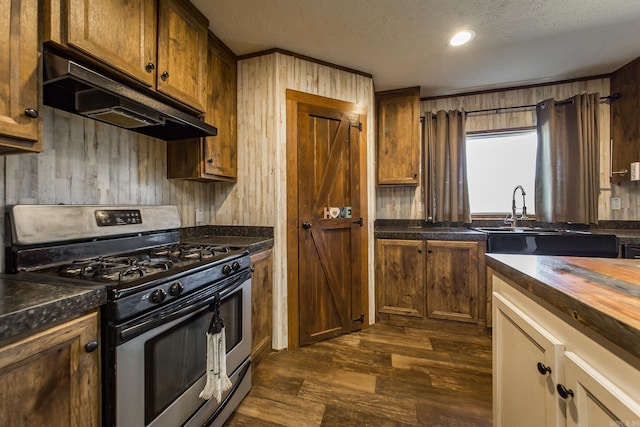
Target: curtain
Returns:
[567, 164]
[446, 189]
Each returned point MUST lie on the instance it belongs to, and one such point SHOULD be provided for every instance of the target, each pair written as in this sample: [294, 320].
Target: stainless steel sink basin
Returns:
[549, 241]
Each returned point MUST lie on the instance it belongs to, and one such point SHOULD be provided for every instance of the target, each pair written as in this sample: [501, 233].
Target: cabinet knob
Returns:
[543, 369]
[30, 112]
[430, 251]
[419, 251]
[306, 225]
[164, 75]
[209, 160]
[564, 392]
[91, 346]
[150, 67]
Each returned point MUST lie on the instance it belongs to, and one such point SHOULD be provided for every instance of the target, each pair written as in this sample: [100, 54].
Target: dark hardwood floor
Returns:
[382, 376]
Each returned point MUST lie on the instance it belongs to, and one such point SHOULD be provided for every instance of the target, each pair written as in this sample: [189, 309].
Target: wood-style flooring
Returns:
[382, 376]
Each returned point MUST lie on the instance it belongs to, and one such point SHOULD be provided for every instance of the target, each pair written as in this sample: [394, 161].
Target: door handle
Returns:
[359, 221]
[306, 225]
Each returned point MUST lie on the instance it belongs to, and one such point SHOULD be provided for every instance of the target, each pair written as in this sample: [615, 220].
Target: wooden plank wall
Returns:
[259, 198]
[408, 203]
[89, 162]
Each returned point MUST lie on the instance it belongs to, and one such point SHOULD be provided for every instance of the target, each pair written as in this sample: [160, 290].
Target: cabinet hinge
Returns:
[357, 126]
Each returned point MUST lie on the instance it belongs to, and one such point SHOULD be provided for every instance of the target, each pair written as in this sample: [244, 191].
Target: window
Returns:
[496, 164]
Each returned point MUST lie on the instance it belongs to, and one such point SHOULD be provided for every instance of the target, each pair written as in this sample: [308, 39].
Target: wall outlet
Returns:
[616, 203]
[199, 216]
[635, 171]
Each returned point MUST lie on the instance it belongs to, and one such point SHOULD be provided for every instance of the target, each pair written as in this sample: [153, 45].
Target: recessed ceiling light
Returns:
[462, 37]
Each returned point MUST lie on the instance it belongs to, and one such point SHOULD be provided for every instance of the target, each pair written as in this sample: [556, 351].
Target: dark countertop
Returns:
[27, 306]
[625, 236]
[427, 233]
[599, 294]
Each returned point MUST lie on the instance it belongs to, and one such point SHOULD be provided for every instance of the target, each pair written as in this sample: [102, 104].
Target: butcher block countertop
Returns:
[601, 295]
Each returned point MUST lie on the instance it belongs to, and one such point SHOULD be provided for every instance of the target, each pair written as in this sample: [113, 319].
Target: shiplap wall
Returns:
[89, 162]
[259, 198]
[408, 203]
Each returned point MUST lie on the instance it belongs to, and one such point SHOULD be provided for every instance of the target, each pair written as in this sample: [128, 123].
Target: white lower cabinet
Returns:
[548, 374]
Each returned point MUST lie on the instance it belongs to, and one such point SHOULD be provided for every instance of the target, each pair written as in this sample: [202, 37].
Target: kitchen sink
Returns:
[549, 241]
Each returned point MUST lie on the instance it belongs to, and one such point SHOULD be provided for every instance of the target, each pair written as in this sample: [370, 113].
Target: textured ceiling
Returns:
[403, 43]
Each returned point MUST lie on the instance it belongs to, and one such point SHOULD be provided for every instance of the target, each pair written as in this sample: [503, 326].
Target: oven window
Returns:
[176, 358]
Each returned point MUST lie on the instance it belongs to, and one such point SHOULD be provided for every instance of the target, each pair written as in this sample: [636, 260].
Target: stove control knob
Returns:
[176, 289]
[235, 266]
[158, 295]
[226, 269]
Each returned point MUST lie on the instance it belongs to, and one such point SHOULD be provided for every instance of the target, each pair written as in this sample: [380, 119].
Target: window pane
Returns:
[496, 164]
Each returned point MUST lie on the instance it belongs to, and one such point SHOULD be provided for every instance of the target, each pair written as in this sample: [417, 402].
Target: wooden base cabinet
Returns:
[261, 306]
[50, 378]
[546, 373]
[425, 281]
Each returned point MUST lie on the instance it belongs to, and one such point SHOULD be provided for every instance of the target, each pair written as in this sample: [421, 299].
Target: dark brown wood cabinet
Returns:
[162, 44]
[50, 379]
[453, 280]
[215, 157]
[400, 278]
[625, 121]
[422, 282]
[398, 137]
[261, 306]
[20, 126]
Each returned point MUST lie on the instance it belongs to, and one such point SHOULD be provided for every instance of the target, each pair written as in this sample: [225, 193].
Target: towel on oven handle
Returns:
[217, 380]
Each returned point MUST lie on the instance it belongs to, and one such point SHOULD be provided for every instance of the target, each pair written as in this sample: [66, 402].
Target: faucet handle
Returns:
[524, 213]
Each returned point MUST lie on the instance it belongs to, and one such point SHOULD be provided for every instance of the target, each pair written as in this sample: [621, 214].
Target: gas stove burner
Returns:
[81, 269]
[119, 274]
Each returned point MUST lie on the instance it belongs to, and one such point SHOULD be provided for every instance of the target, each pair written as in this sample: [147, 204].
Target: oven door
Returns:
[160, 367]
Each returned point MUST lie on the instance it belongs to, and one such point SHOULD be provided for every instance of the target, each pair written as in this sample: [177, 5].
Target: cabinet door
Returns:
[452, 280]
[220, 150]
[523, 390]
[182, 52]
[121, 33]
[261, 305]
[596, 401]
[49, 379]
[400, 266]
[19, 76]
[398, 116]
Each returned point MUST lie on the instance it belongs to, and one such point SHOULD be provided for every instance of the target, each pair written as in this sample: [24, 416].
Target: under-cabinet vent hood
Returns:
[72, 87]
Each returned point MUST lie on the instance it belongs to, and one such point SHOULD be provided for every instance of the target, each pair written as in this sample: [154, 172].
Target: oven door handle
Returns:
[192, 304]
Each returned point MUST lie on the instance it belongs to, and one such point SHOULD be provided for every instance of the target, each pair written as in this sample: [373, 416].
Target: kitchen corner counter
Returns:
[599, 294]
[427, 233]
[27, 306]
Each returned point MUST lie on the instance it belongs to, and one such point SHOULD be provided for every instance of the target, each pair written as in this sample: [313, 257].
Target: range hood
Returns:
[72, 87]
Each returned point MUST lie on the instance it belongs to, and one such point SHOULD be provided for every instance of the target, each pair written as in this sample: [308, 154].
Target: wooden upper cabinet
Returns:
[213, 158]
[121, 33]
[625, 121]
[159, 43]
[182, 52]
[398, 136]
[19, 100]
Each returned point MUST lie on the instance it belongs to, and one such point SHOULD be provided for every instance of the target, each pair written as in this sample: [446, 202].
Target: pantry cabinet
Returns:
[625, 121]
[212, 158]
[426, 281]
[398, 137]
[547, 373]
[20, 126]
[162, 44]
[51, 378]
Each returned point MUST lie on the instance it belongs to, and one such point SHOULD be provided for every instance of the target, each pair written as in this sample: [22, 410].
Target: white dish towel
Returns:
[217, 380]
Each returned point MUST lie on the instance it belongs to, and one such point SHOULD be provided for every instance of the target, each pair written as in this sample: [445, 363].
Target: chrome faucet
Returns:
[514, 219]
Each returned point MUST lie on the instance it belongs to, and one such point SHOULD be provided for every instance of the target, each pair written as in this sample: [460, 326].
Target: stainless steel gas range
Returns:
[160, 295]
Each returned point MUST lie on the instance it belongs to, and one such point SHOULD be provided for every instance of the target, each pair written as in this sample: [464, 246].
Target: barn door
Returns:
[330, 229]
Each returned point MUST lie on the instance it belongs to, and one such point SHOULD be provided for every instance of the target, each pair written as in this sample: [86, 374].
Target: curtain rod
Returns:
[603, 99]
